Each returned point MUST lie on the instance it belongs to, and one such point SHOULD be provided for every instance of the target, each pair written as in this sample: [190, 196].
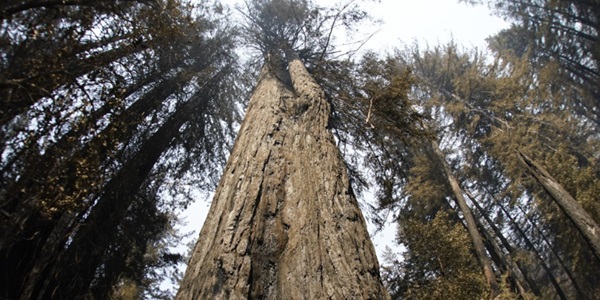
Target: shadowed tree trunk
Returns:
[582, 220]
[561, 262]
[284, 222]
[559, 290]
[517, 267]
[74, 270]
[26, 231]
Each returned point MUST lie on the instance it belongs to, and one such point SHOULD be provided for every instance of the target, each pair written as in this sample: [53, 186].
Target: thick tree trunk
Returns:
[478, 245]
[582, 220]
[284, 222]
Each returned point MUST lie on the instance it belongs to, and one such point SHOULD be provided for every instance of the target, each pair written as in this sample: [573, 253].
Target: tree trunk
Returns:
[524, 283]
[559, 290]
[479, 247]
[26, 229]
[561, 262]
[582, 220]
[71, 274]
[284, 222]
[20, 94]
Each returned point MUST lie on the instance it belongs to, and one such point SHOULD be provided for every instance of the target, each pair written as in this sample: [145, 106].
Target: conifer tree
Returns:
[86, 130]
[284, 222]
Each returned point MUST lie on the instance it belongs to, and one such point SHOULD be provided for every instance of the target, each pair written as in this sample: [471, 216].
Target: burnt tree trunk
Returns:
[284, 222]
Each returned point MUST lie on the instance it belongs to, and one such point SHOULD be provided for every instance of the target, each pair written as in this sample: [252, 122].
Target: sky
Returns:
[432, 22]
[429, 22]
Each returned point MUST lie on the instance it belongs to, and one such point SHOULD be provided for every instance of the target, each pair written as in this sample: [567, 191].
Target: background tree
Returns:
[130, 84]
[110, 109]
[562, 32]
[487, 110]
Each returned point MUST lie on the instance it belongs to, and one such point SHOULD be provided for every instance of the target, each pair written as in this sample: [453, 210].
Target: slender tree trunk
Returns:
[26, 229]
[580, 294]
[524, 283]
[582, 220]
[284, 222]
[483, 258]
[559, 290]
[505, 264]
[19, 94]
[71, 275]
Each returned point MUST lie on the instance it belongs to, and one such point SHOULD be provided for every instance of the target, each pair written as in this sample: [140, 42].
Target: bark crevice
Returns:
[286, 189]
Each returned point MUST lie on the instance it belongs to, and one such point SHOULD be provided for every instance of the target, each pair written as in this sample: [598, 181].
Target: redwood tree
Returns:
[284, 222]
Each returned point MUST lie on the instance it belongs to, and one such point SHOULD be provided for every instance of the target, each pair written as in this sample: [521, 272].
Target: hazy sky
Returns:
[433, 22]
[404, 22]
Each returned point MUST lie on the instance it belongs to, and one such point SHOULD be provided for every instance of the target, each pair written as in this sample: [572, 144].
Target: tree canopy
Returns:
[114, 114]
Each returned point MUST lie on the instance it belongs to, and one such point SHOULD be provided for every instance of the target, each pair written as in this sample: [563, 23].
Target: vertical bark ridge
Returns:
[284, 223]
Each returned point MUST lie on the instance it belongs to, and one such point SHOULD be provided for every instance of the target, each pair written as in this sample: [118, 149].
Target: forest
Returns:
[114, 114]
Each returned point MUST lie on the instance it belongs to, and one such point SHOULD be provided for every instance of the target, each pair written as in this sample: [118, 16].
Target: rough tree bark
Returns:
[284, 222]
[582, 220]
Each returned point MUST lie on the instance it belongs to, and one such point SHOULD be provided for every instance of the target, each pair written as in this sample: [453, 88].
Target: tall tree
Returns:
[564, 32]
[87, 153]
[470, 222]
[573, 209]
[439, 262]
[485, 109]
[284, 222]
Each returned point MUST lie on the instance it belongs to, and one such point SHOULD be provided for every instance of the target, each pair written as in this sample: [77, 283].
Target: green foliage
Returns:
[84, 85]
[375, 121]
[506, 104]
[274, 27]
[487, 105]
[564, 32]
[506, 293]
